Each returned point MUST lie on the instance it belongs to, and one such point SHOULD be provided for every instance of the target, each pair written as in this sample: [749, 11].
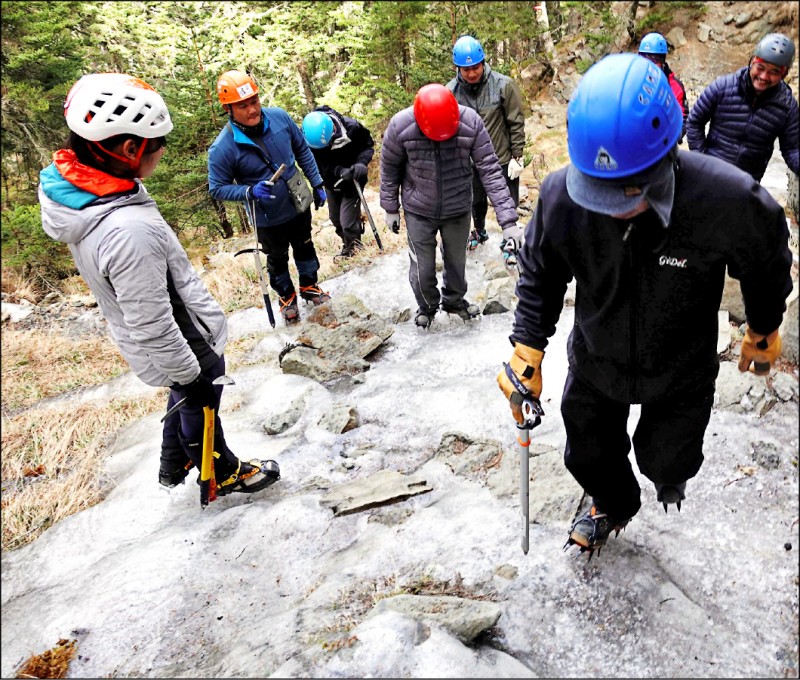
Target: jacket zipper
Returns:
[439, 180]
[633, 266]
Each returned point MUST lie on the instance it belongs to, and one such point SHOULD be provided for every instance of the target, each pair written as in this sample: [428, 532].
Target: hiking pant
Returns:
[275, 241]
[480, 202]
[345, 213]
[422, 233]
[182, 438]
[667, 442]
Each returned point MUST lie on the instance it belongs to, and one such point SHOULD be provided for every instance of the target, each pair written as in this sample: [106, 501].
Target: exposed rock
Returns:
[385, 486]
[463, 618]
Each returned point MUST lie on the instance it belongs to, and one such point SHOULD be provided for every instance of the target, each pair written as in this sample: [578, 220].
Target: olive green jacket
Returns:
[498, 101]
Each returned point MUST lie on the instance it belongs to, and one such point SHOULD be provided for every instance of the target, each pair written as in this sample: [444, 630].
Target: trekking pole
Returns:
[369, 214]
[256, 257]
[532, 413]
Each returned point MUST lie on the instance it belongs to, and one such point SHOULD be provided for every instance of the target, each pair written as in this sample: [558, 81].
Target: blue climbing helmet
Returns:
[318, 129]
[623, 117]
[467, 51]
[653, 43]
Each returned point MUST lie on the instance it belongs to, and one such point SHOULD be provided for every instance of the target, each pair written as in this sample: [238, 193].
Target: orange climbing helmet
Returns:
[235, 86]
[436, 112]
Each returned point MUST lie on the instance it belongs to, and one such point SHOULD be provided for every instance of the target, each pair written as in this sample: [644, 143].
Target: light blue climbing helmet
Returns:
[653, 43]
[623, 117]
[318, 129]
[467, 51]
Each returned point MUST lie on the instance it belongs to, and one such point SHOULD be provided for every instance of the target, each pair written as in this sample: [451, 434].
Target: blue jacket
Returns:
[744, 127]
[236, 162]
[647, 299]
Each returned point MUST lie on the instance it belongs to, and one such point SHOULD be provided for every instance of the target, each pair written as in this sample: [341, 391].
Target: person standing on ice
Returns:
[162, 318]
[647, 232]
[428, 155]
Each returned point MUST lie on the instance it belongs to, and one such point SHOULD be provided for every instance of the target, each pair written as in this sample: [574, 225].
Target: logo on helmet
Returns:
[604, 161]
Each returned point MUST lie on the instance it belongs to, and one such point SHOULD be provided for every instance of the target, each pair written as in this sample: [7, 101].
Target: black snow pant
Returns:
[275, 241]
[422, 233]
[480, 202]
[345, 213]
[667, 442]
[182, 438]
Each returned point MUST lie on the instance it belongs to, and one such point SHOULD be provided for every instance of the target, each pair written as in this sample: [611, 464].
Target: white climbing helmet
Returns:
[102, 105]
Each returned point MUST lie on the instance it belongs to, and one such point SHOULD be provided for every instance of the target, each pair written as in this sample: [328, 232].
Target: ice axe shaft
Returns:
[256, 257]
[369, 214]
[208, 483]
[524, 442]
[532, 413]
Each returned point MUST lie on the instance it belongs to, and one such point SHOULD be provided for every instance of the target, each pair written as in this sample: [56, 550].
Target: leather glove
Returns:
[515, 168]
[393, 222]
[263, 191]
[526, 363]
[346, 174]
[515, 234]
[359, 171]
[200, 392]
[760, 350]
[319, 197]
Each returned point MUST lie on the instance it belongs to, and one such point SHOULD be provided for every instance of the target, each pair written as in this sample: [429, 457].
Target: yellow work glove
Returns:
[526, 363]
[760, 350]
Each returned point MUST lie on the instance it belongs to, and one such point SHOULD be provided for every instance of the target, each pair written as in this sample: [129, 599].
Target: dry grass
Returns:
[38, 364]
[54, 663]
[53, 459]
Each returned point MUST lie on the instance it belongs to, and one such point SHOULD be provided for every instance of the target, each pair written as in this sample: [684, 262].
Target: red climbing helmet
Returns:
[436, 112]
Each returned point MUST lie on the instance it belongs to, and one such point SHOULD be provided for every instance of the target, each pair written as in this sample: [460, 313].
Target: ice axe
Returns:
[208, 484]
[256, 257]
[369, 214]
[532, 413]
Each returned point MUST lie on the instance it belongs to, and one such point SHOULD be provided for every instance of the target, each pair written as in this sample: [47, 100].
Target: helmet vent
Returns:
[656, 123]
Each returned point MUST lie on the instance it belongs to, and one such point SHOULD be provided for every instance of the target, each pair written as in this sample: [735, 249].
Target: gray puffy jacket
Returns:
[126, 253]
[435, 178]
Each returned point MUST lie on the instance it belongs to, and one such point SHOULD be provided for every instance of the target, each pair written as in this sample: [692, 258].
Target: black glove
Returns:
[200, 392]
[359, 171]
[346, 174]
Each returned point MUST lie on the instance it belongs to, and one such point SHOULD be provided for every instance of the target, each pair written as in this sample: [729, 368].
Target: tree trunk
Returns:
[544, 24]
[305, 84]
[631, 26]
[225, 225]
[555, 20]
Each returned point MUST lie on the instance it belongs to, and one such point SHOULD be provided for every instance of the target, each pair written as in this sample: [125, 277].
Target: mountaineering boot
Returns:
[592, 529]
[466, 310]
[314, 293]
[171, 479]
[473, 241]
[482, 236]
[289, 310]
[250, 477]
[424, 318]
[669, 494]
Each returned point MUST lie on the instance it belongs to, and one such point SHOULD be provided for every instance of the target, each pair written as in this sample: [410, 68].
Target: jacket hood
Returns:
[69, 213]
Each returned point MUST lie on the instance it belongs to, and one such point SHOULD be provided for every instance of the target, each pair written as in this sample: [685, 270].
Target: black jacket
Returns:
[646, 306]
[743, 128]
[337, 156]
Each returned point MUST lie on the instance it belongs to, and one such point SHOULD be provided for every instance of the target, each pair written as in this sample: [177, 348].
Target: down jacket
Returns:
[162, 318]
[435, 178]
[646, 303]
[236, 162]
[498, 101]
[744, 127]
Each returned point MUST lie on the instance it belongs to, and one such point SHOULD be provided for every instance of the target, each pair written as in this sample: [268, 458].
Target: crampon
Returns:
[591, 531]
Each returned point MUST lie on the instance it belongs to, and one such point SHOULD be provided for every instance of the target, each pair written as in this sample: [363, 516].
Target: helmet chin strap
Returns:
[132, 164]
